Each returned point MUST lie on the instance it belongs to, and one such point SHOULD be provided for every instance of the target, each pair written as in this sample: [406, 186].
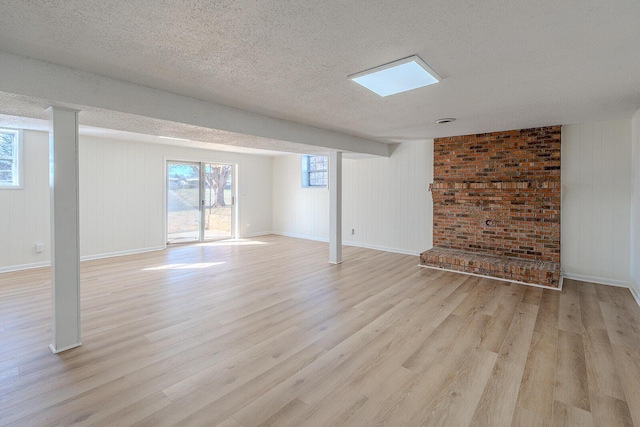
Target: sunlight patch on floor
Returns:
[186, 266]
[233, 242]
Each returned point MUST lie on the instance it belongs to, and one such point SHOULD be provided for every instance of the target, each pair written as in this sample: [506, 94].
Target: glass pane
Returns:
[318, 178]
[183, 202]
[6, 144]
[6, 177]
[317, 163]
[6, 165]
[218, 201]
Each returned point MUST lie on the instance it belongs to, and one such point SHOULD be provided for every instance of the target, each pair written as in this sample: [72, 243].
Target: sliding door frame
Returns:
[234, 195]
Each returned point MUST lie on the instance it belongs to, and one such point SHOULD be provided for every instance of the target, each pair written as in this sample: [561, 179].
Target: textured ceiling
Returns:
[506, 64]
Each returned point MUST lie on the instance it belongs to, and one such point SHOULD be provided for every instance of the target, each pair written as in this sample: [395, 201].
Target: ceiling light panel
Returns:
[398, 76]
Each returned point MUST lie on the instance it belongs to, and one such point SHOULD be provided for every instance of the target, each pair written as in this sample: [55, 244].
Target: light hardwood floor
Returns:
[269, 333]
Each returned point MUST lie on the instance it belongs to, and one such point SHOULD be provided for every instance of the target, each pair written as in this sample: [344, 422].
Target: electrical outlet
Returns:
[248, 225]
[39, 248]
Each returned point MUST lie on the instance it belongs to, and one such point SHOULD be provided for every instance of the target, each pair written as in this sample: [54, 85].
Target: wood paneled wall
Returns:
[596, 182]
[24, 214]
[635, 207]
[121, 198]
[385, 200]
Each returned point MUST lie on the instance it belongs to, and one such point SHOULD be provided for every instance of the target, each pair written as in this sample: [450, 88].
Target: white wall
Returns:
[24, 214]
[596, 182]
[297, 211]
[385, 200]
[635, 207]
[121, 198]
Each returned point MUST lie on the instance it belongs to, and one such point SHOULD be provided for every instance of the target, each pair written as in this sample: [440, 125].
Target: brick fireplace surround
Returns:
[496, 205]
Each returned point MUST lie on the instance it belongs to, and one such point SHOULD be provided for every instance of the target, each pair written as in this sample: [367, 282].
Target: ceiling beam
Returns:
[74, 88]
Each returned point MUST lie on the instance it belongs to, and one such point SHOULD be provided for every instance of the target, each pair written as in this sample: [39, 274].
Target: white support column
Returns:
[335, 207]
[65, 246]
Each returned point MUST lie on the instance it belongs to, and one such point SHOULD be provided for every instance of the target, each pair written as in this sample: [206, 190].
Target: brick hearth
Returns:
[527, 271]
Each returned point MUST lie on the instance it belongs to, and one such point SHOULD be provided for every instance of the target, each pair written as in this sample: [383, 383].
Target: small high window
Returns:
[10, 159]
[314, 171]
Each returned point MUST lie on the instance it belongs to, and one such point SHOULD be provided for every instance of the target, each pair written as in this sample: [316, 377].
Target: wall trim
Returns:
[348, 243]
[596, 279]
[30, 266]
[300, 236]
[19, 267]
[256, 234]
[635, 294]
[121, 253]
[382, 248]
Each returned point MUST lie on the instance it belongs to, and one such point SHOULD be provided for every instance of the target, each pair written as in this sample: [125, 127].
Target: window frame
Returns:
[306, 171]
[17, 159]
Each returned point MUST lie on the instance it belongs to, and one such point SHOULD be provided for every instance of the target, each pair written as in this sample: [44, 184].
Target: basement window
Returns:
[10, 159]
[314, 171]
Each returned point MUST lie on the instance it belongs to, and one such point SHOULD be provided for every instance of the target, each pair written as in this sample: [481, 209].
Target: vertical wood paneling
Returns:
[570, 225]
[5, 226]
[17, 213]
[608, 203]
[296, 210]
[585, 189]
[601, 132]
[139, 174]
[22, 211]
[385, 200]
[39, 177]
[635, 205]
[596, 177]
[428, 224]
[121, 197]
[30, 201]
[622, 202]
[128, 230]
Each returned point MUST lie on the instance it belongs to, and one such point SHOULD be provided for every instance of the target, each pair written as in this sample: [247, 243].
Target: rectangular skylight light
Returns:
[398, 76]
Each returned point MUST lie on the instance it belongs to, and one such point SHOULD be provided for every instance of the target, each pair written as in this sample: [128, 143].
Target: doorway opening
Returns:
[200, 201]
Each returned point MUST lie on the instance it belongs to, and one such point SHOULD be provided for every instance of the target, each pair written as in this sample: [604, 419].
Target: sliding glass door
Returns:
[183, 202]
[200, 199]
[218, 201]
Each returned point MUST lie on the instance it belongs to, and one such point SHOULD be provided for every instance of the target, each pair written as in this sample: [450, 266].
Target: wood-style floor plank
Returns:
[266, 332]
[569, 416]
[501, 392]
[628, 363]
[571, 385]
[537, 385]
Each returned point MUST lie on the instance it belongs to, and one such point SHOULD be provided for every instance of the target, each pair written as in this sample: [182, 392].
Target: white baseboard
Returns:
[256, 234]
[121, 253]
[349, 243]
[635, 294]
[559, 288]
[300, 236]
[82, 258]
[595, 279]
[382, 248]
[25, 266]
